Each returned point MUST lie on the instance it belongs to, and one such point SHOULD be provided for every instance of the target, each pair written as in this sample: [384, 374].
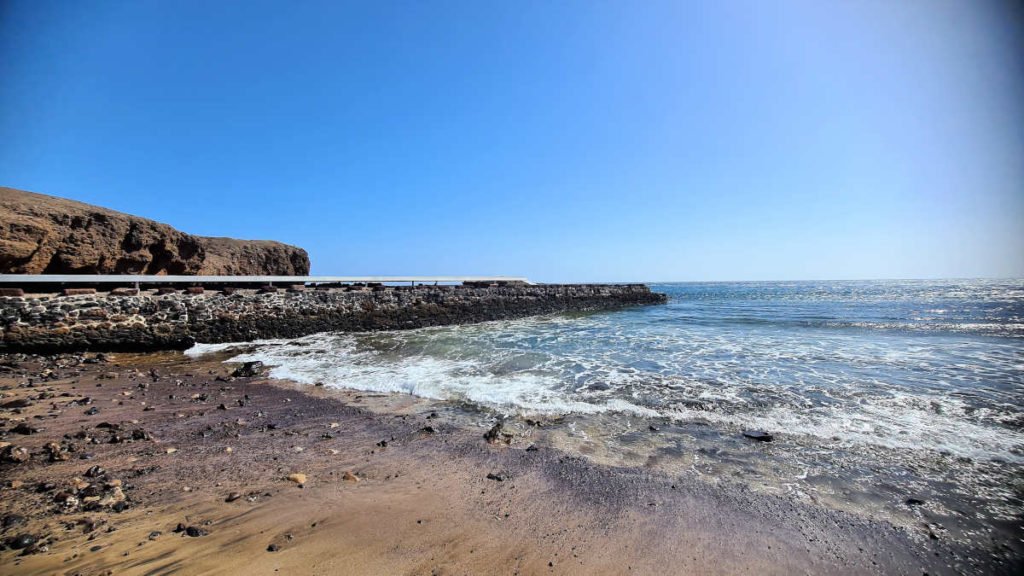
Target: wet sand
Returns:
[393, 485]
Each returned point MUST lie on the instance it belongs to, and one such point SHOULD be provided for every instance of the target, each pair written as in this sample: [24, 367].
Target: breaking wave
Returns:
[916, 365]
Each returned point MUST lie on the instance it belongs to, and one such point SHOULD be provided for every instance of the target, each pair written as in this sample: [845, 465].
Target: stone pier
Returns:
[176, 319]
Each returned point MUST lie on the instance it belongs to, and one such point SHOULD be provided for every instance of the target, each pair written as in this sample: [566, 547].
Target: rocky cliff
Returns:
[42, 234]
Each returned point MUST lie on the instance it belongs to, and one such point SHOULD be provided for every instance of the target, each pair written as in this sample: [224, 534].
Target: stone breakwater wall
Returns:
[160, 321]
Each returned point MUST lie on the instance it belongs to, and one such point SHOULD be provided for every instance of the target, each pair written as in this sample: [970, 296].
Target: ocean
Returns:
[881, 395]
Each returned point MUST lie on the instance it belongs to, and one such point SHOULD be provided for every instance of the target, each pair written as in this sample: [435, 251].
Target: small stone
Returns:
[233, 496]
[21, 541]
[759, 435]
[56, 452]
[498, 477]
[273, 548]
[12, 520]
[171, 450]
[497, 434]
[913, 502]
[250, 370]
[95, 472]
[195, 532]
[15, 454]
[350, 477]
[24, 428]
[155, 534]
[298, 478]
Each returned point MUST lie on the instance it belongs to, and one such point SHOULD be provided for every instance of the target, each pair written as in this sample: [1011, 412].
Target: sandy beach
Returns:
[161, 464]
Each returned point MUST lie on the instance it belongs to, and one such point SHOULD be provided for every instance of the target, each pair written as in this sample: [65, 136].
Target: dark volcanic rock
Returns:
[191, 531]
[14, 454]
[497, 434]
[250, 370]
[759, 435]
[23, 428]
[21, 541]
[12, 520]
[95, 472]
[42, 234]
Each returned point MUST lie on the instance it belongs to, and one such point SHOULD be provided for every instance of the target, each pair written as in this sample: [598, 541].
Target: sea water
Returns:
[875, 390]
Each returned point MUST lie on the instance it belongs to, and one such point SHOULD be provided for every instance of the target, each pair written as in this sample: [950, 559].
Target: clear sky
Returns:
[564, 141]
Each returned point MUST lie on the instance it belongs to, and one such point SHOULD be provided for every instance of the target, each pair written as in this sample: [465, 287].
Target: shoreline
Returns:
[423, 501]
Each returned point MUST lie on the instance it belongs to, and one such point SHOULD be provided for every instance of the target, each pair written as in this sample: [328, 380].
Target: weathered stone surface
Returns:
[150, 321]
[42, 234]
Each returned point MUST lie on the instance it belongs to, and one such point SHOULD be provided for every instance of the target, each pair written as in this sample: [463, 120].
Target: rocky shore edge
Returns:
[125, 319]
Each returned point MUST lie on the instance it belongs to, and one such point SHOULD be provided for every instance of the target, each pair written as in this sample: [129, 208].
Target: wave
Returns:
[933, 365]
[456, 365]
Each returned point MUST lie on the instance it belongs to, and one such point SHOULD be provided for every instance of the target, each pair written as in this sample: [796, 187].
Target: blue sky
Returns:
[564, 141]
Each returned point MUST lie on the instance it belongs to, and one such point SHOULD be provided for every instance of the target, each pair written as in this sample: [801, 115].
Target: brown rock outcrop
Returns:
[42, 234]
